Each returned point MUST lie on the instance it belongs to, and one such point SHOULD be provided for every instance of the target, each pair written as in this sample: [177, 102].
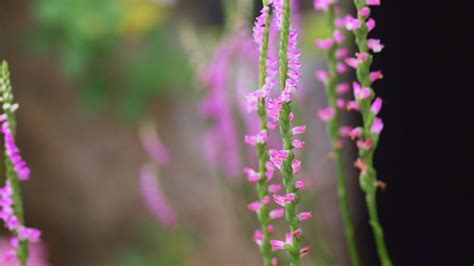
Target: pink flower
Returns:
[298, 130]
[260, 138]
[338, 36]
[342, 88]
[154, 197]
[258, 237]
[304, 251]
[277, 213]
[270, 168]
[341, 103]
[361, 93]
[324, 43]
[364, 144]
[364, 12]
[352, 23]
[274, 261]
[322, 5]
[341, 67]
[299, 184]
[326, 114]
[274, 188]
[254, 206]
[277, 157]
[341, 52]
[258, 28]
[345, 131]
[282, 200]
[356, 133]
[273, 107]
[352, 105]
[322, 75]
[375, 45]
[377, 126]
[153, 145]
[370, 24]
[304, 216]
[278, 244]
[372, 2]
[296, 165]
[298, 144]
[376, 106]
[19, 165]
[375, 75]
[252, 98]
[360, 164]
[252, 175]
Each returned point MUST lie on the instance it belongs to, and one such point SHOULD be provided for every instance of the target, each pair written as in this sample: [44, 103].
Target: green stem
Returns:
[286, 135]
[262, 153]
[368, 177]
[333, 126]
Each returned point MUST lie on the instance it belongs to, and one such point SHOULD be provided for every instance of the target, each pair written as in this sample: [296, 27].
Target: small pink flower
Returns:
[372, 2]
[364, 144]
[345, 131]
[277, 244]
[352, 23]
[299, 184]
[341, 67]
[260, 138]
[270, 168]
[304, 251]
[254, 206]
[341, 52]
[298, 144]
[277, 213]
[281, 200]
[338, 36]
[376, 106]
[298, 130]
[326, 113]
[360, 164]
[296, 233]
[277, 157]
[258, 237]
[296, 165]
[324, 43]
[304, 216]
[364, 12]
[270, 228]
[341, 103]
[370, 24]
[322, 75]
[322, 5]
[342, 88]
[375, 75]
[352, 62]
[361, 93]
[356, 133]
[377, 126]
[274, 188]
[274, 261]
[375, 45]
[352, 105]
[252, 175]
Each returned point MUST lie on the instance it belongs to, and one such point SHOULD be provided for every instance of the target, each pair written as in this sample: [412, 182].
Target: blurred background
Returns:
[100, 81]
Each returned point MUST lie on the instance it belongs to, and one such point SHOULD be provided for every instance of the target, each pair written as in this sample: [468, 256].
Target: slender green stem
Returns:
[333, 126]
[368, 177]
[7, 100]
[262, 152]
[286, 135]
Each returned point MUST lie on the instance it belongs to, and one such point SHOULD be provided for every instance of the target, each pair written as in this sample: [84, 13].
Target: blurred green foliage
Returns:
[157, 246]
[121, 52]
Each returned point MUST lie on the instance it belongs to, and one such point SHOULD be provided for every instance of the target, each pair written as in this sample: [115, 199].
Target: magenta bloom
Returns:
[352, 23]
[377, 126]
[19, 165]
[304, 215]
[281, 200]
[326, 113]
[375, 45]
[153, 146]
[360, 93]
[324, 43]
[298, 130]
[376, 106]
[37, 256]
[277, 213]
[277, 157]
[154, 198]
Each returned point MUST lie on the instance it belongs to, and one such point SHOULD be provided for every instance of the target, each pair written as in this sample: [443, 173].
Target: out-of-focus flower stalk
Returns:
[330, 79]
[10, 195]
[368, 135]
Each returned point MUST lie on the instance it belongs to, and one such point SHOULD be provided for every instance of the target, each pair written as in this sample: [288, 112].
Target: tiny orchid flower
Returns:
[252, 175]
[372, 2]
[298, 144]
[376, 106]
[341, 53]
[260, 138]
[304, 251]
[298, 130]
[364, 12]
[296, 165]
[377, 126]
[352, 23]
[326, 114]
[299, 184]
[341, 67]
[277, 213]
[274, 188]
[364, 144]
[324, 43]
[338, 36]
[360, 93]
[352, 105]
[345, 131]
[341, 103]
[277, 157]
[375, 75]
[282, 200]
[322, 75]
[356, 133]
[370, 24]
[304, 216]
[375, 45]
[342, 88]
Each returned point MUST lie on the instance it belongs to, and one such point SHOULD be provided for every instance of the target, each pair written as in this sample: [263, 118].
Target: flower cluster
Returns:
[11, 209]
[369, 106]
